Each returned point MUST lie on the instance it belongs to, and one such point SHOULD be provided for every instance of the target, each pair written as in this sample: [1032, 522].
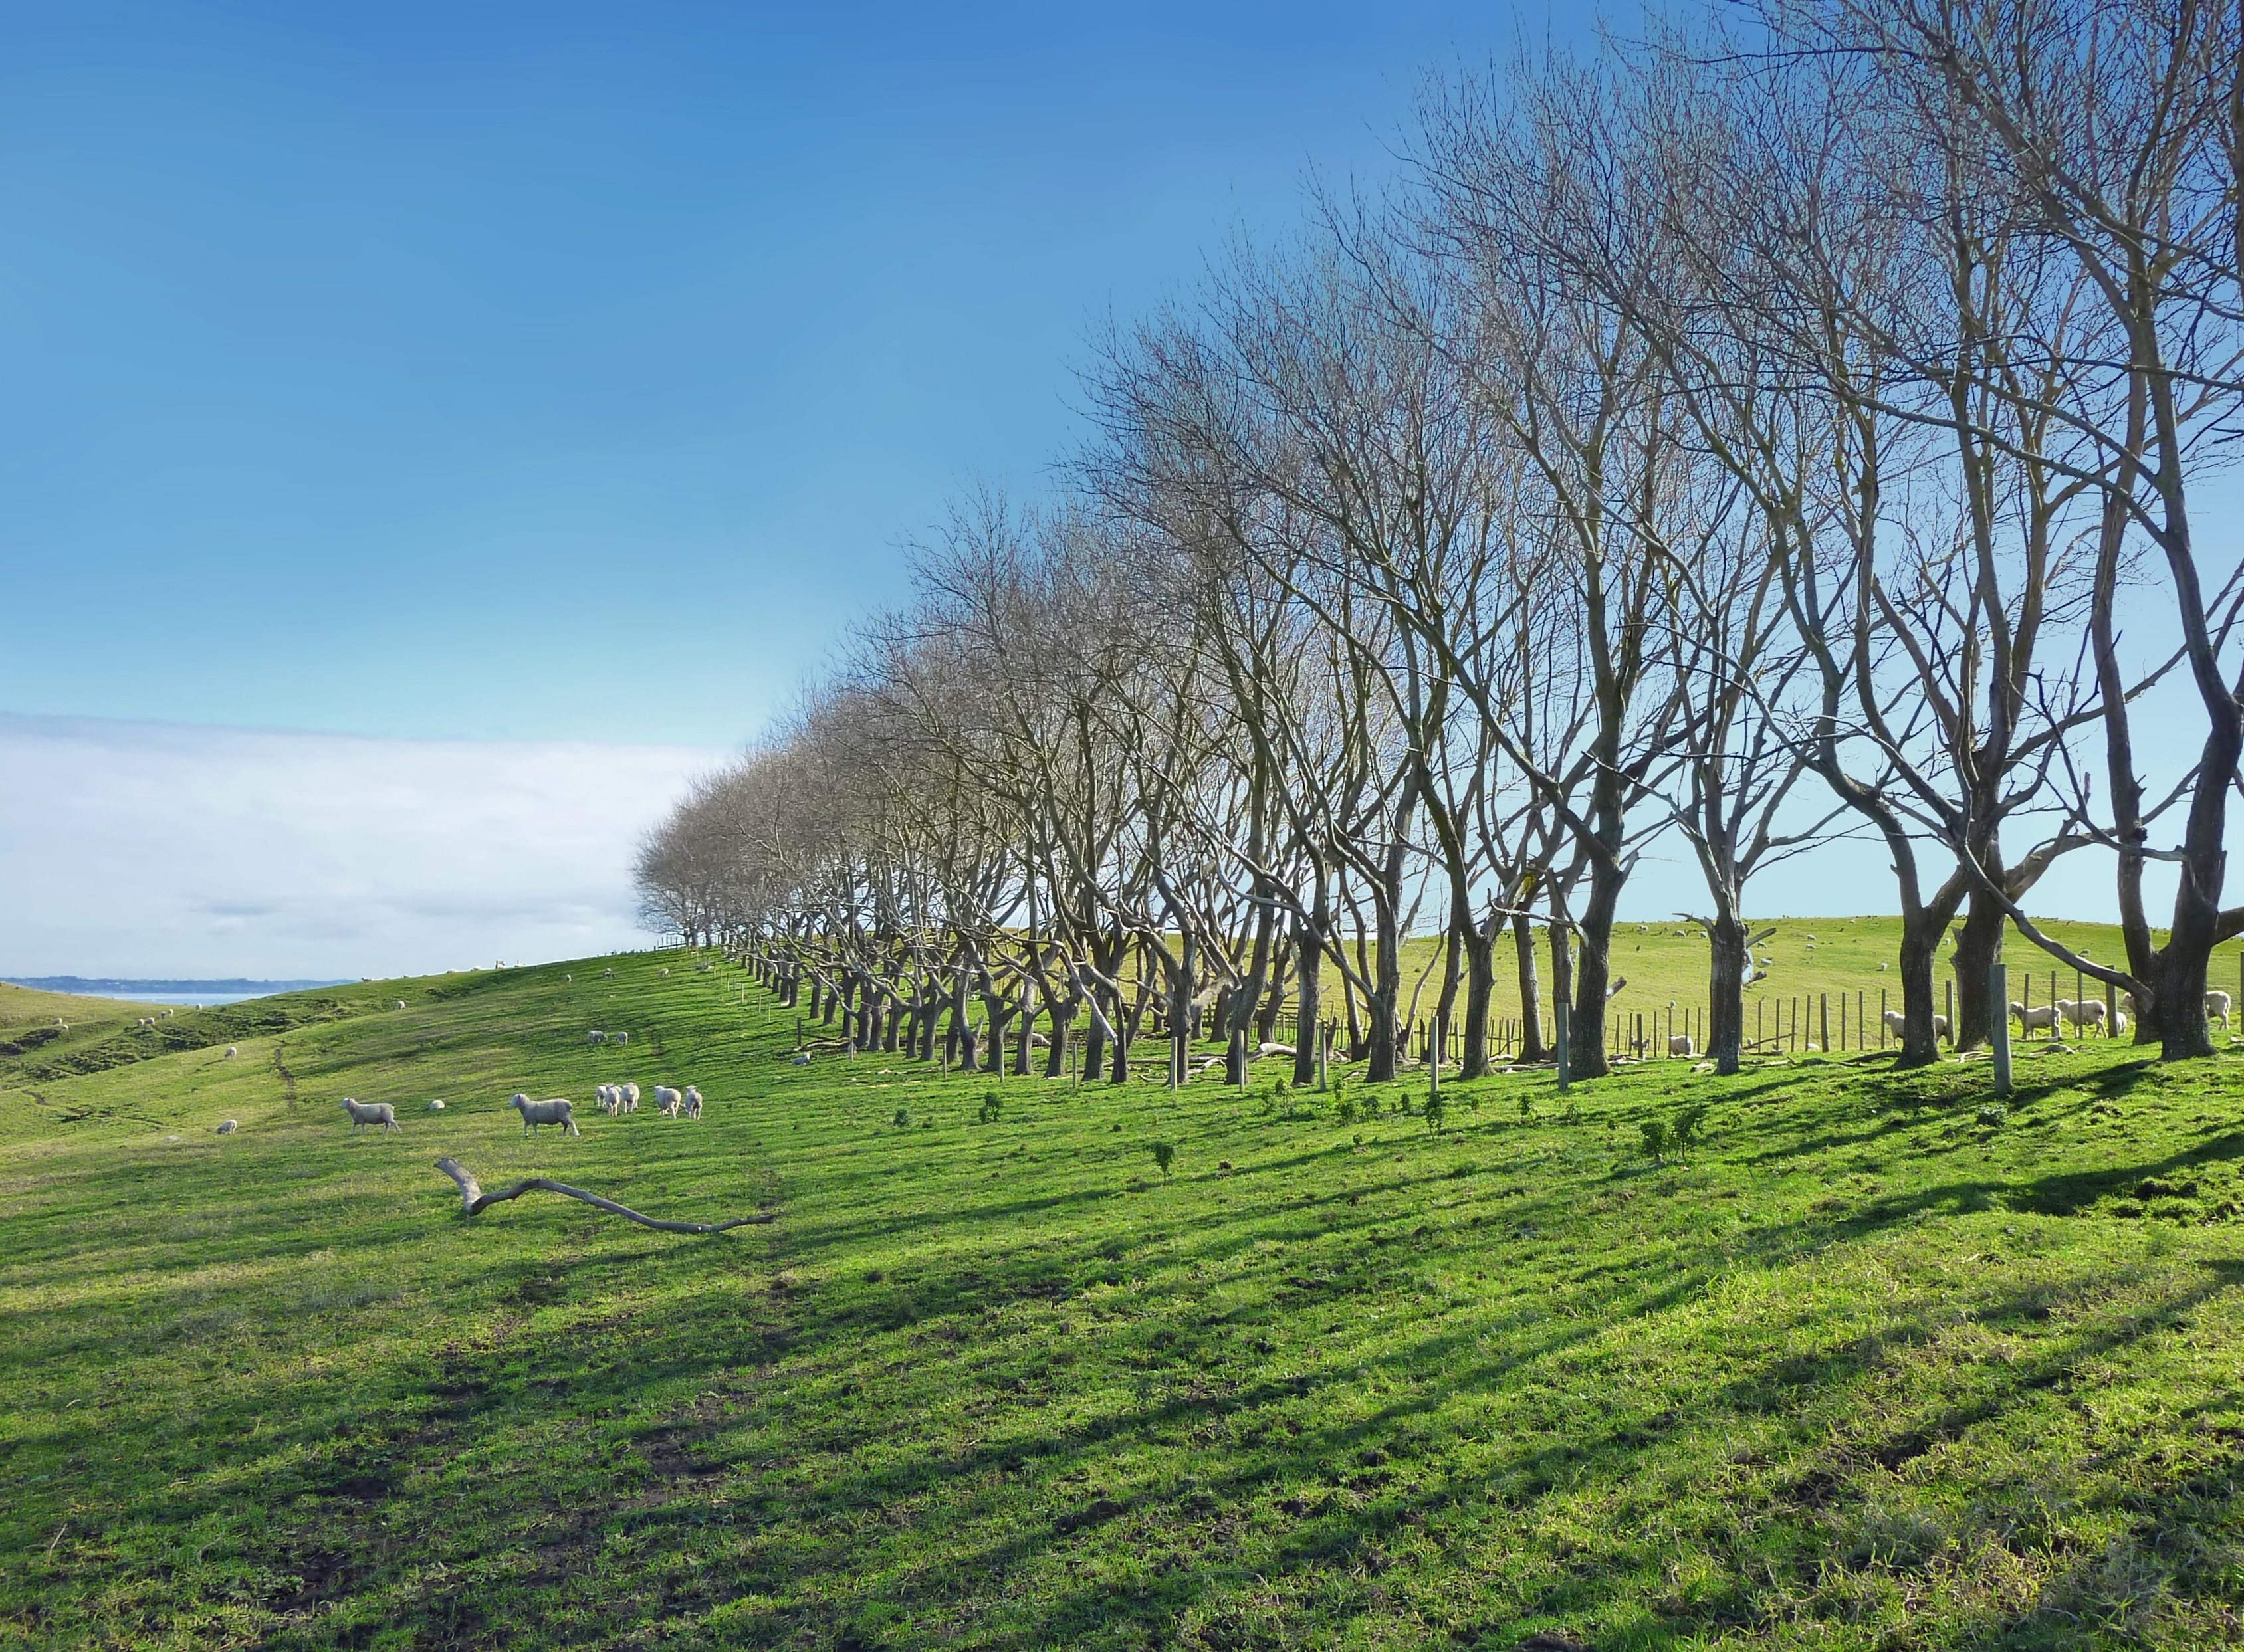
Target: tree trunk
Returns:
[1977, 948]
[1309, 966]
[1920, 948]
[1532, 1047]
[1062, 1022]
[1480, 987]
[1725, 990]
[1594, 973]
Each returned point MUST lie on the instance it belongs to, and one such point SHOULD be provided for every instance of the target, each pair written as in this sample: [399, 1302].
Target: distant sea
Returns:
[231, 991]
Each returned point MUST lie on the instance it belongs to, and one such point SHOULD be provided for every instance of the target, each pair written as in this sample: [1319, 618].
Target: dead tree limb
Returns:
[473, 1196]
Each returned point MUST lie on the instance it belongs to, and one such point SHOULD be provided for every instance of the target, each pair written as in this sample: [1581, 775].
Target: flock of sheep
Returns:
[612, 1099]
[2083, 1013]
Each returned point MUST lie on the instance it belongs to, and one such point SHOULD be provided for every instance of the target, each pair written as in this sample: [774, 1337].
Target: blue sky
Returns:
[552, 372]
[523, 398]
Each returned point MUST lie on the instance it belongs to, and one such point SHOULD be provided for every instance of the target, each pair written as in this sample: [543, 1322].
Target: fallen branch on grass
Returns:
[473, 1196]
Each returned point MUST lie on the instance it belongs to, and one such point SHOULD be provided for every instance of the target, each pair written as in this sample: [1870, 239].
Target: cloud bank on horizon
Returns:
[142, 849]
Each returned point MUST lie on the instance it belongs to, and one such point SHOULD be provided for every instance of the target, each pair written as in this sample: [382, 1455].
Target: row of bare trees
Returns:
[1772, 429]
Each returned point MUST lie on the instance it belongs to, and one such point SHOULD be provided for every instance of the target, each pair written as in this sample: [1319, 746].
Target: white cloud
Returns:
[139, 849]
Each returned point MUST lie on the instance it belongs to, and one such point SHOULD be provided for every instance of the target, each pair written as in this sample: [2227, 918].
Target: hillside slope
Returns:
[1872, 1365]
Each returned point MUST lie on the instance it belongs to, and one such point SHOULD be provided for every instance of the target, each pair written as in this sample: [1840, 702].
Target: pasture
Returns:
[1866, 1361]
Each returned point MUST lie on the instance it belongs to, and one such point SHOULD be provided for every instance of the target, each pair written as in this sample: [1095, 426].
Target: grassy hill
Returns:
[1874, 1363]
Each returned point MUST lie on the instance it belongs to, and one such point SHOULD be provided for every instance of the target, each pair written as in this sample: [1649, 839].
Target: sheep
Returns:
[630, 1094]
[607, 974]
[801, 1059]
[436, 1106]
[2216, 1003]
[2040, 1015]
[603, 1097]
[692, 1103]
[596, 1037]
[230, 1052]
[1679, 1044]
[1897, 1024]
[623, 1038]
[2085, 1012]
[568, 980]
[552, 1111]
[226, 1127]
[380, 1113]
[666, 1101]
[666, 972]
[397, 1003]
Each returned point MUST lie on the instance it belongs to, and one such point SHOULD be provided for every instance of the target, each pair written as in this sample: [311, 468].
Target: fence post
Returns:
[1998, 988]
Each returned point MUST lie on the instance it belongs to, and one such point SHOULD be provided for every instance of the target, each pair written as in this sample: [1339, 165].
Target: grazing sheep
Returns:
[230, 1052]
[692, 1103]
[801, 1059]
[226, 1127]
[60, 1022]
[398, 1003]
[666, 972]
[1679, 1044]
[552, 1111]
[380, 1113]
[569, 980]
[623, 1038]
[1897, 1024]
[436, 1106]
[666, 1101]
[2085, 1012]
[607, 974]
[596, 1037]
[2041, 1015]
[2216, 1004]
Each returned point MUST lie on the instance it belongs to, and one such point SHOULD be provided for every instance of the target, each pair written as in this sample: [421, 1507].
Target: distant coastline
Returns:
[230, 990]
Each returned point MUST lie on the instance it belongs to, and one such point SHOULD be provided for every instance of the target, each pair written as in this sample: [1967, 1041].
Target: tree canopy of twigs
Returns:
[1754, 430]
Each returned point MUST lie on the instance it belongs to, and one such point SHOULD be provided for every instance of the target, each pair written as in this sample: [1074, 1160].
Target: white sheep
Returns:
[801, 1059]
[1897, 1024]
[603, 1097]
[630, 1094]
[2041, 1015]
[568, 980]
[2216, 1004]
[596, 1037]
[666, 972]
[380, 1113]
[436, 1106]
[607, 974]
[692, 1103]
[2084, 1012]
[1679, 1044]
[230, 1052]
[226, 1127]
[623, 1038]
[398, 1003]
[553, 1111]
[666, 1101]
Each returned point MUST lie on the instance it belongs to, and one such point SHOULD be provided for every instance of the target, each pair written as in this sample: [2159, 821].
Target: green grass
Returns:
[1816, 959]
[1863, 1369]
